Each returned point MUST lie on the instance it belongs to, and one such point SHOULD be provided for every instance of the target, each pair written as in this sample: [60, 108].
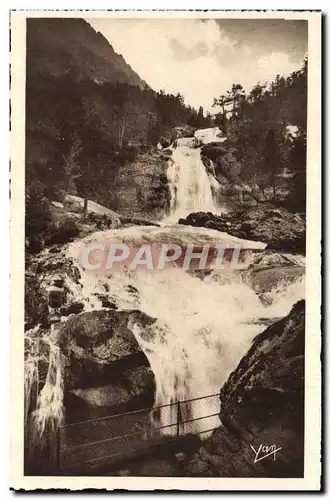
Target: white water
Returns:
[203, 327]
[203, 330]
[189, 182]
[207, 135]
[48, 413]
[190, 185]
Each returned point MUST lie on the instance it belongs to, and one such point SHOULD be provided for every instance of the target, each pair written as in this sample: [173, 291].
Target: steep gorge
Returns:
[163, 336]
[101, 343]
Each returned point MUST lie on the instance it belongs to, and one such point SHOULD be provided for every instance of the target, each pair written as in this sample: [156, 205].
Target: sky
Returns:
[201, 59]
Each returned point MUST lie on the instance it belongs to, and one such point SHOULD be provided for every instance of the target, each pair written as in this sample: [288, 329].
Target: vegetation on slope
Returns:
[266, 130]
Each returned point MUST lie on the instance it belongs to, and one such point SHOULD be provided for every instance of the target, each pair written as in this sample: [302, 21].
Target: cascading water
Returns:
[189, 182]
[48, 413]
[203, 327]
[190, 185]
[203, 330]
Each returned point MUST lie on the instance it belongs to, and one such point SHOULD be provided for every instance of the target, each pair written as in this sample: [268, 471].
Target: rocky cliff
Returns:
[262, 405]
[141, 187]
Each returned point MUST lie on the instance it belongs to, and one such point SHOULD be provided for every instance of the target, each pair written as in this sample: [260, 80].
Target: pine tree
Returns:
[272, 158]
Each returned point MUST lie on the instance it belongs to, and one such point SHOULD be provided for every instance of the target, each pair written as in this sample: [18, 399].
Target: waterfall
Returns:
[203, 328]
[204, 324]
[189, 182]
[190, 186]
[48, 413]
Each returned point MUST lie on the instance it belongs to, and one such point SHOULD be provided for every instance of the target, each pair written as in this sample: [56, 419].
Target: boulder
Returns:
[135, 383]
[249, 226]
[103, 221]
[182, 131]
[109, 395]
[269, 270]
[279, 228]
[56, 296]
[262, 403]
[99, 346]
[72, 308]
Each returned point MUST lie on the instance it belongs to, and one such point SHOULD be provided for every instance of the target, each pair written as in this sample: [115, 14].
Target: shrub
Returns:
[35, 303]
[127, 155]
[38, 217]
[63, 231]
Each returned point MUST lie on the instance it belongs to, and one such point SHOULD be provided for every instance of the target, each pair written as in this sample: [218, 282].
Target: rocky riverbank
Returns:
[262, 403]
[279, 228]
[83, 353]
[262, 409]
[104, 367]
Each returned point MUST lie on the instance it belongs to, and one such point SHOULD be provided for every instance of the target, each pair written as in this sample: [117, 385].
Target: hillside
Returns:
[58, 47]
[91, 122]
[93, 128]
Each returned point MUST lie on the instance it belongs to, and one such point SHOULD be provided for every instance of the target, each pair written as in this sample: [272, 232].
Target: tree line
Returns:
[79, 133]
[266, 129]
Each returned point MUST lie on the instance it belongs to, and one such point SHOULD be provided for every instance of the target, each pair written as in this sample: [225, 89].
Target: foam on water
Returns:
[203, 326]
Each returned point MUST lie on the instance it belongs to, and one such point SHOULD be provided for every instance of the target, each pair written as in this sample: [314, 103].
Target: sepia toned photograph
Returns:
[167, 170]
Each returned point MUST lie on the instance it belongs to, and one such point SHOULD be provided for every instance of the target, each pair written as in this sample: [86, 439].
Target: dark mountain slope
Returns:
[58, 47]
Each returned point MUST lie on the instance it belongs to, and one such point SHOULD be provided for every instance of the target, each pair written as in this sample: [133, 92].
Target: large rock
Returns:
[279, 228]
[225, 163]
[99, 346]
[56, 296]
[262, 403]
[135, 383]
[141, 187]
[269, 270]
[182, 131]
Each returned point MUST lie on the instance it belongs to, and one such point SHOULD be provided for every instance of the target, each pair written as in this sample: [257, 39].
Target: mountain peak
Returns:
[56, 44]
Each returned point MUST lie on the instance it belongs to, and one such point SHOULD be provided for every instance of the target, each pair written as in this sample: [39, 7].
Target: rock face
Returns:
[277, 227]
[141, 187]
[135, 383]
[262, 404]
[106, 370]
[268, 270]
[223, 159]
[99, 346]
[182, 131]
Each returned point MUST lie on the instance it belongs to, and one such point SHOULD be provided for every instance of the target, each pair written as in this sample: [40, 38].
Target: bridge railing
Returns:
[95, 444]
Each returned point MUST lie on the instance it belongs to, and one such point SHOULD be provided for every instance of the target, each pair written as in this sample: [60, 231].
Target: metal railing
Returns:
[88, 445]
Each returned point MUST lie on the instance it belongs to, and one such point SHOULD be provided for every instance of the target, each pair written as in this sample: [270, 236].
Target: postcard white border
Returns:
[311, 480]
